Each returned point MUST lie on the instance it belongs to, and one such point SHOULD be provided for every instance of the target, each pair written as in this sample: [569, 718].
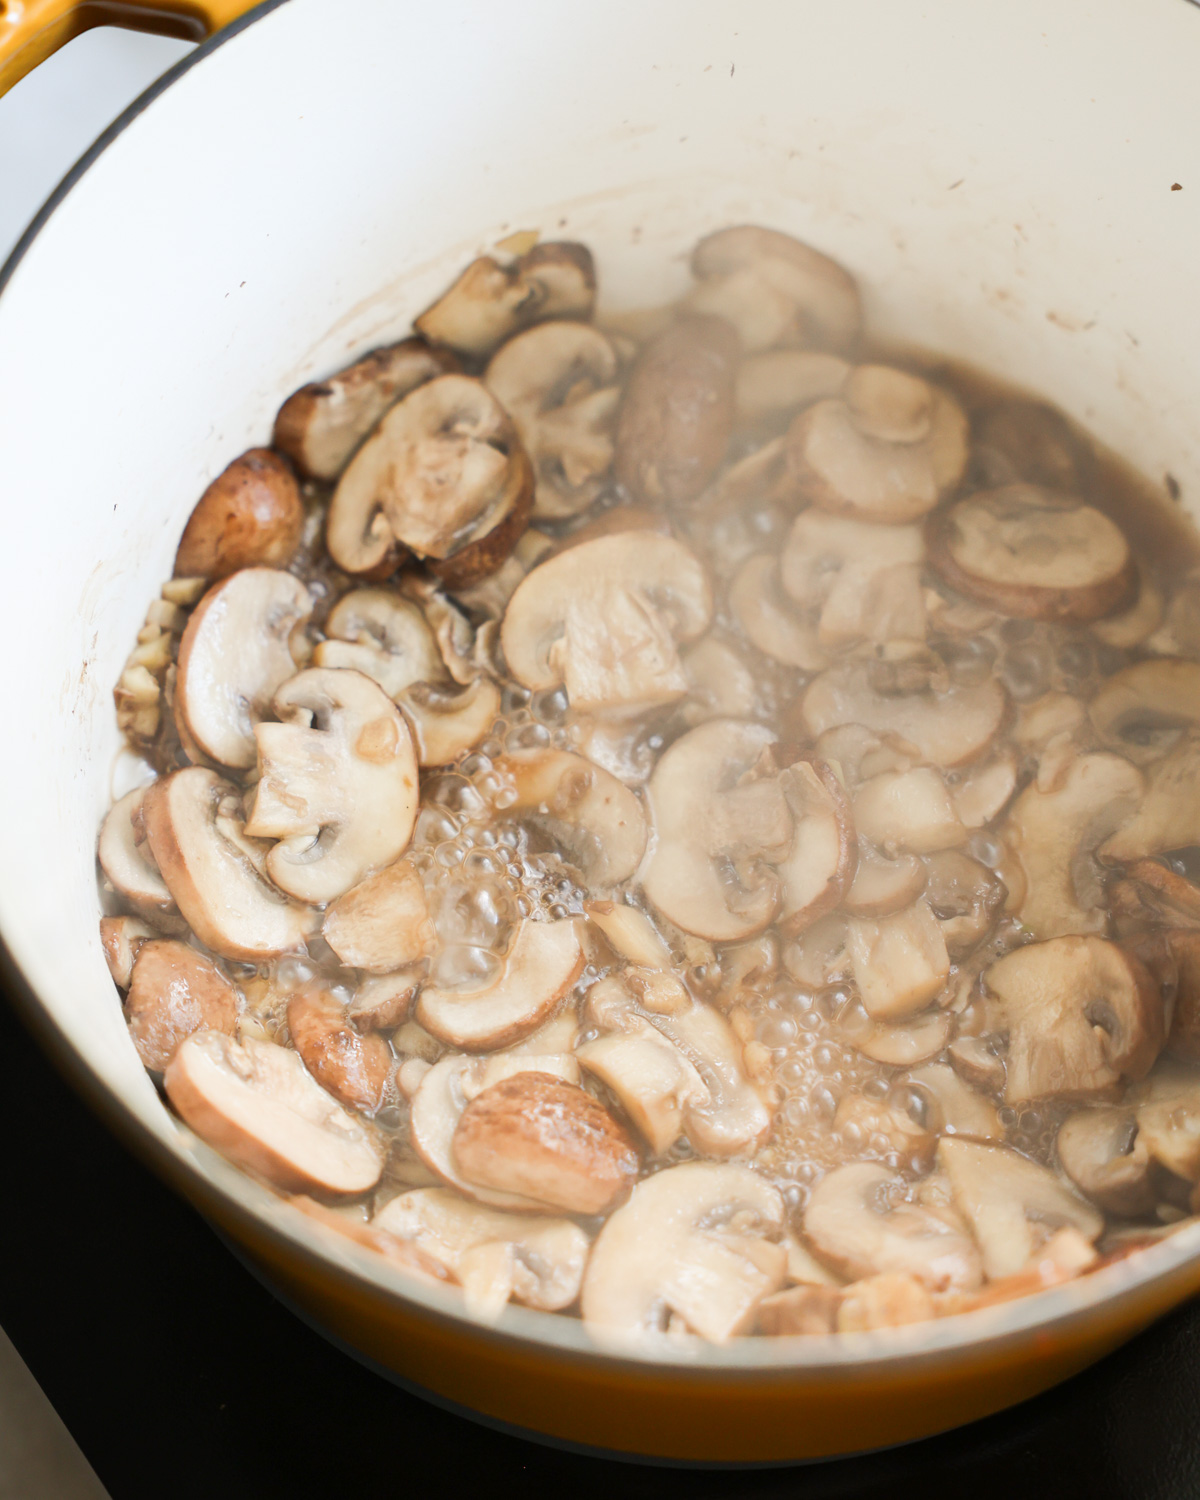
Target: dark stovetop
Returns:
[181, 1377]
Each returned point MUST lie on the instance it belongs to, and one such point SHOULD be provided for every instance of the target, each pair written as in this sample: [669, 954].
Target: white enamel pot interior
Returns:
[998, 177]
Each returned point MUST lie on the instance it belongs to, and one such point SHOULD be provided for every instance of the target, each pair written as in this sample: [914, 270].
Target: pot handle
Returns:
[30, 30]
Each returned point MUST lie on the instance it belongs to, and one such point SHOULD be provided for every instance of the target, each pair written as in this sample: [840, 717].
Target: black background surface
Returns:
[181, 1377]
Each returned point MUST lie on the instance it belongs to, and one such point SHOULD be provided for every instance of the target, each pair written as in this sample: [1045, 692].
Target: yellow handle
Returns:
[30, 30]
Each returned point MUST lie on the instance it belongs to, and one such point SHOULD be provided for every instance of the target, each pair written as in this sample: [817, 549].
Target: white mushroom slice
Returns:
[631, 933]
[382, 635]
[1138, 622]
[882, 886]
[900, 962]
[863, 579]
[545, 960]
[234, 655]
[857, 1119]
[595, 818]
[944, 729]
[1142, 711]
[543, 1266]
[1106, 1157]
[214, 872]
[984, 791]
[383, 922]
[818, 956]
[338, 784]
[445, 725]
[731, 1118]
[820, 865]
[775, 289]
[964, 896]
[770, 621]
[858, 1222]
[778, 381]
[908, 812]
[1034, 553]
[1168, 1117]
[1047, 719]
[653, 1081]
[604, 620]
[120, 939]
[952, 1106]
[1169, 814]
[905, 1045]
[720, 684]
[1080, 1013]
[974, 1060]
[321, 425]
[840, 462]
[129, 866]
[1012, 1204]
[696, 1241]
[444, 475]
[256, 1103]
[558, 382]
[500, 1066]
[1051, 834]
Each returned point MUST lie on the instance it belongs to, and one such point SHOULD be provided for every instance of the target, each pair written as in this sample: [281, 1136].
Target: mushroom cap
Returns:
[445, 724]
[882, 886]
[234, 655]
[256, 1104]
[1134, 625]
[174, 991]
[651, 1078]
[909, 812]
[1101, 1152]
[215, 873]
[382, 923]
[604, 619]
[543, 963]
[596, 818]
[338, 783]
[1081, 1014]
[964, 896]
[1142, 710]
[353, 1068]
[383, 635]
[129, 866]
[1168, 816]
[769, 618]
[250, 516]
[120, 940]
[557, 381]
[1033, 553]
[906, 1043]
[821, 863]
[692, 1240]
[863, 578]
[321, 424]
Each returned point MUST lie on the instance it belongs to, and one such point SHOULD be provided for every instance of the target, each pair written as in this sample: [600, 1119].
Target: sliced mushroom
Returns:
[215, 873]
[1142, 711]
[984, 791]
[858, 1221]
[804, 1310]
[720, 684]
[952, 1106]
[352, 1067]
[821, 863]
[776, 382]
[858, 1118]
[695, 1240]
[653, 1081]
[257, 1104]
[892, 1300]
[770, 620]
[598, 821]
[1167, 895]
[900, 962]
[250, 516]
[321, 425]
[445, 725]
[908, 812]
[174, 991]
[863, 578]
[338, 784]
[975, 1061]
[382, 635]
[489, 302]
[882, 886]
[818, 957]
[120, 940]
[234, 655]
[545, 960]
[964, 896]
[1168, 816]
[540, 1263]
[775, 289]
[128, 863]
[1103, 1154]
[1081, 1014]
[546, 1139]
[1011, 1203]
[1033, 553]
[731, 1117]
[677, 413]
[907, 1044]
[558, 382]
[946, 729]
[1184, 1038]
[1051, 835]
[604, 620]
[1136, 624]
[888, 449]
[383, 922]
[1168, 1117]
[631, 932]
[381, 1003]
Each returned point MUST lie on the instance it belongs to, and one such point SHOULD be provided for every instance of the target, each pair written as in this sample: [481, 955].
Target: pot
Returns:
[1017, 186]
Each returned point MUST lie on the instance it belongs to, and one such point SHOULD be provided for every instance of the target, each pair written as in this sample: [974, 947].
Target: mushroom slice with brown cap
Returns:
[1103, 1154]
[1051, 834]
[1168, 1117]
[1081, 1014]
[489, 302]
[1168, 816]
[354, 1068]
[964, 896]
[863, 578]
[1136, 624]
[338, 787]
[775, 289]
[215, 873]
[906, 1044]
[900, 962]
[596, 819]
[234, 655]
[256, 1103]
[443, 475]
[908, 812]
[544, 1138]
[382, 635]
[120, 940]
[651, 1078]
[1143, 710]
[1012, 1204]
[982, 792]
[888, 449]
[445, 724]
[975, 1061]
[882, 886]
[174, 991]
[545, 960]
[128, 864]
[776, 382]
[858, 1222]
[384, 1001]
[321, 424]
[604, 621]
[819, 867]
[558, 382]
[944, 729]
[250, 516]
[697, 1240]
[1033, 553]
[541, 1261]
[769, 619]
[677, 413]
[383, 922]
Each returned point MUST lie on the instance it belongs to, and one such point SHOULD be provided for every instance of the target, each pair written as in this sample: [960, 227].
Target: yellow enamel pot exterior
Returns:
[1016, 185]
